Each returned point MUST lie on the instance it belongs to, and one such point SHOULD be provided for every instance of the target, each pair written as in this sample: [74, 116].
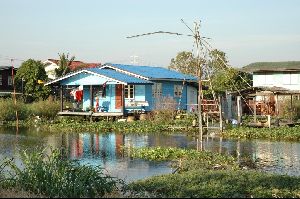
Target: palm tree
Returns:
[64, 64]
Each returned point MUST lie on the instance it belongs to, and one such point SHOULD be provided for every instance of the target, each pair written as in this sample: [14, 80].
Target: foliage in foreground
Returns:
[220, 184]
[187, 159]
[280, 133]
[53, 176]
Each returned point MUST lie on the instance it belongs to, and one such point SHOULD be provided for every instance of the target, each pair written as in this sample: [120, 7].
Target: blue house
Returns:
[117, 89]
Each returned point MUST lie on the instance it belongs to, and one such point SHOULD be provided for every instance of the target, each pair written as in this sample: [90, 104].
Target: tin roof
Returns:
[119, 76]
[273, 66]
[110, 74]
[150, 72]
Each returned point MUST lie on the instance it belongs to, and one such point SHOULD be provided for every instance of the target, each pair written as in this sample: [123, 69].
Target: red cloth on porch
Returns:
[78, 95]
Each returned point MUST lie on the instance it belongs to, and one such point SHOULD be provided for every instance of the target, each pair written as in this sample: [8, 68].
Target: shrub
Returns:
[54, 176]
[46, 109]
[164, 109]
[8, 110]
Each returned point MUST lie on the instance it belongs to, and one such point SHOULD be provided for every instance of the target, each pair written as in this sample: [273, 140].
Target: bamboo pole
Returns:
[14, 95]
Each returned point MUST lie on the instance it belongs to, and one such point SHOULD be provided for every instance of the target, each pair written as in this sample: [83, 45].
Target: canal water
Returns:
[105, 150]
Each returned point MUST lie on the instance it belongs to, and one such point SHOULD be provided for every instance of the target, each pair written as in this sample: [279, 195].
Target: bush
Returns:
[47, 109]
[54, 176]
[8, 110]
[164, 109]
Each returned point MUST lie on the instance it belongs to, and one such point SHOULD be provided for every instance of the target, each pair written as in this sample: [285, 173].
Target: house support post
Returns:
[91, 103]
[239, 109]
[61, 98]
[220, 110]
[277, 105]
[292, 111]
[254, 109]
[123, 99]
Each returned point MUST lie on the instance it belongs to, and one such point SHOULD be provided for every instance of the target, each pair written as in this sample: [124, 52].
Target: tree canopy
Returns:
[32, 73]
[64, 64]
[214, 67]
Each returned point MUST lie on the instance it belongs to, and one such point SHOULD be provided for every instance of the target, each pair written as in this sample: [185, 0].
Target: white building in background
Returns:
[52, 64]
[275, 74]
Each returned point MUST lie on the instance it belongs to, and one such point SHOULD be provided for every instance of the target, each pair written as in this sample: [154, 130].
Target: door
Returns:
[192, 100]
[119, 99]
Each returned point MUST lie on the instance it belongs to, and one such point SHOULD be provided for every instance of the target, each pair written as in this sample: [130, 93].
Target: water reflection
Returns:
[105, 150]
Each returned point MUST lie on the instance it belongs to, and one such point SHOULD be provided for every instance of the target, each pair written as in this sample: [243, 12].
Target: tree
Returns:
[31, 72]
[214, 67]
[64, 64]
[185, 63]
[230, 79]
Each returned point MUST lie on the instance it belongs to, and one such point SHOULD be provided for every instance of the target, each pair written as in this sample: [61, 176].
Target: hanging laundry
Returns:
[78, 95]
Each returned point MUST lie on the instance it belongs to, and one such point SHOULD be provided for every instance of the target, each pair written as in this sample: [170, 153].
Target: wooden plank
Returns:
[100, 114]
[104, 114]
[74, 113]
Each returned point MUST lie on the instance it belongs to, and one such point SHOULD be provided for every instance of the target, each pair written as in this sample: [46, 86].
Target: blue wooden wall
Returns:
[142, 92]
[168, 91]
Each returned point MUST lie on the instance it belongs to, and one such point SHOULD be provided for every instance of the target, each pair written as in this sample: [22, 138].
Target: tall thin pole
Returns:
[198, 43]
[14, 94]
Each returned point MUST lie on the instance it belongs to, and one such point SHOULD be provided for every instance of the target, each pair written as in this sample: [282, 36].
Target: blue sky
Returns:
[96, 30]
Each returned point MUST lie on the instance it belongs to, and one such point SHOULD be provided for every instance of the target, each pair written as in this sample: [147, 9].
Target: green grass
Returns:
[220, 184]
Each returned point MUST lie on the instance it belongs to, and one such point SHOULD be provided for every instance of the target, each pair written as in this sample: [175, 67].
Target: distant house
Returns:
[52, 64]
[275, 74]
[276, 86]
[6, 83]
[120, 89]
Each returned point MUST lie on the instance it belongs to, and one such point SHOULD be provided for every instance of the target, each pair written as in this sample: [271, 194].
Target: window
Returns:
[9, 81]
[129, 91]
[294, 79]
[178, 90]
[290, 79]
[157, 90]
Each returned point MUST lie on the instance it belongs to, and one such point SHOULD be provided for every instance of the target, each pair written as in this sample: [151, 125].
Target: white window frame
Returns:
[9, 81]
[157, 90]
[294, 79]
[178, 90]
[127, 90]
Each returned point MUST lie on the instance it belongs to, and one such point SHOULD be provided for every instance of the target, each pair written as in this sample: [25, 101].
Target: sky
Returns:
[96, 30]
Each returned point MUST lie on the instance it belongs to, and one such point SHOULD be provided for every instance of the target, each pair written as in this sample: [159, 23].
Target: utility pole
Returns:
[14, 94]
[199, 72]
[196, 35]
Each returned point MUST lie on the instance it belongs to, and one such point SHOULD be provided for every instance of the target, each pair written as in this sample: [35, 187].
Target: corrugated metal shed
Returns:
[119, 76]
[152, 72]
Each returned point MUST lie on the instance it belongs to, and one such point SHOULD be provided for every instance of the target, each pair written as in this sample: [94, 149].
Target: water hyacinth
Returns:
[281, 133]
[186, 158]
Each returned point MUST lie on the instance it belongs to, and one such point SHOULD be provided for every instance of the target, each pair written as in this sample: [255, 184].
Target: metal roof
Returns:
[150, 72]
[110, 74]
[119, 76]
[272, 66]
[5, 67]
